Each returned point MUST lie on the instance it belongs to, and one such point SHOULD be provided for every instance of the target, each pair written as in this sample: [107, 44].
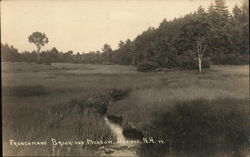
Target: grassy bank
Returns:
[200, 128]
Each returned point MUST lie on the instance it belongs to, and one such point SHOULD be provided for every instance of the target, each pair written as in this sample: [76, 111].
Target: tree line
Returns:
[11, 54]
[224, 35]
[213, 34]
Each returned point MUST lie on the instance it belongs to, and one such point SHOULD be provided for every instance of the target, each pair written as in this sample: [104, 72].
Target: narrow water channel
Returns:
[119, 149]
[116, 129]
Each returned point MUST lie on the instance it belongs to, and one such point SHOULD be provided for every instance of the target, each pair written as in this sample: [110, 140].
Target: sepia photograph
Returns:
[125, 78]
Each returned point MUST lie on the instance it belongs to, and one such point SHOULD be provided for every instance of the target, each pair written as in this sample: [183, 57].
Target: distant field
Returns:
[30, 89]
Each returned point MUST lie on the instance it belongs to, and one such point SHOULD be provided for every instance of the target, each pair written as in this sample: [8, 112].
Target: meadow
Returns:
[44, 101]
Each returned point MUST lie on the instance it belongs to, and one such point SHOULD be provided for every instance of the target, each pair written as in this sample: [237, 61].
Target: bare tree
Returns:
[39, 39]
[201, 48]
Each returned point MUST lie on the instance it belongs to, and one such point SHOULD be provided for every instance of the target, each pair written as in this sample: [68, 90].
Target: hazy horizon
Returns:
[84, 26]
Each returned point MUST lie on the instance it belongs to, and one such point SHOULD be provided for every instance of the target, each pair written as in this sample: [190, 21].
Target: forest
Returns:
[223, 36]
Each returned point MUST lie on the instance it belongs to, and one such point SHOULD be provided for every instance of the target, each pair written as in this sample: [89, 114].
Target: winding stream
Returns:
[120, 148]
[116, 129]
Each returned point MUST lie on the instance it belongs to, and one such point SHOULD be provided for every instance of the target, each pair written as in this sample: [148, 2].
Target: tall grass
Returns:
[24, 91]
[72, 121]
[200, 127]
[149, 95]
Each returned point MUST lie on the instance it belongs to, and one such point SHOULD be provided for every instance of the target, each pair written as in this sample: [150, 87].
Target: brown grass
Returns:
[149, 93]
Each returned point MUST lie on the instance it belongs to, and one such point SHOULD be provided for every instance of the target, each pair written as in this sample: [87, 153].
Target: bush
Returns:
[199, 125]
[100, 104]
[231, 59]
[189, 63]
[147, 66]
[167, 61]
[206, 63]
[243, 59]
[118, 94]
[44, 61]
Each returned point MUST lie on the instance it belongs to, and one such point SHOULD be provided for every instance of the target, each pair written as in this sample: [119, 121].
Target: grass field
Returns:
[36, 97]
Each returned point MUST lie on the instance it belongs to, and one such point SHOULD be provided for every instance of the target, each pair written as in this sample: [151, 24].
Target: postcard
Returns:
[125, 78]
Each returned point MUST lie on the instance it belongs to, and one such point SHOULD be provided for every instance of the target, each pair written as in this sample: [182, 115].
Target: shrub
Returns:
[206, 63]
[44, 61]
[189, 63]
[147, 66]
[167, 61]
[231, 59]
[99, 103]
[118, 94]
[243, 59]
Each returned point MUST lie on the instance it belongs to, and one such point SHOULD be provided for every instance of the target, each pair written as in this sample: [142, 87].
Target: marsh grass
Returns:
[71, 121]
[150, 94]
[18, 67]
[24, 91]
[200, 127]
[77, 120]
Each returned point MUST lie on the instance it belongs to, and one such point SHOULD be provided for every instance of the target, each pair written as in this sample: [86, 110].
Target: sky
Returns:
[86, 25]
